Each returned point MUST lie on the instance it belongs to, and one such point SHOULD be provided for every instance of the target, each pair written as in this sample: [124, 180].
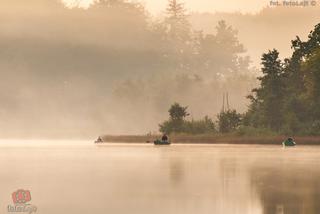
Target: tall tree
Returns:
[178, 26]
[175, 124]
[311, 68]
[270, 95]
[178, 34]
[178, 112]
[220, 53]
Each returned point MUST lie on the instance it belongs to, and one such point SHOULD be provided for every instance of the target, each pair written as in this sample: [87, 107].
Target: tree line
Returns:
[116, 53]
[287, 100]
[193, 67]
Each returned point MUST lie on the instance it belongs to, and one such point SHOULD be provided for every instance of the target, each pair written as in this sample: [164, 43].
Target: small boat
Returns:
[99, 140]
[289, 142]
[161, 142]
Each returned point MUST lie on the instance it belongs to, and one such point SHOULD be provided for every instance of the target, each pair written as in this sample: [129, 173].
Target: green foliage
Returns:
[271, 92]
[168, 127]
[311, 69]
[202, 126]
[178, 124]
[229, 121]
[177, 112]
[288, 98]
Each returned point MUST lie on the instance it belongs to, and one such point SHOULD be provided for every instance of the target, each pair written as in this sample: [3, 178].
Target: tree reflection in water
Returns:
[287, 189]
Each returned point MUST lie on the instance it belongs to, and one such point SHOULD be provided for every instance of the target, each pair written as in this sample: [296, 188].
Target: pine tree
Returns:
[178, 36]
[176, 20]
[222, 53]
[270, 95]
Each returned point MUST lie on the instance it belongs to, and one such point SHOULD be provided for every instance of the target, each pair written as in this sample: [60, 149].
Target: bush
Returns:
[229, 121]
[203, 126]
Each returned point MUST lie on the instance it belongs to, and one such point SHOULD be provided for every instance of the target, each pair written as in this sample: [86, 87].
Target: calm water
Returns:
[79, 177]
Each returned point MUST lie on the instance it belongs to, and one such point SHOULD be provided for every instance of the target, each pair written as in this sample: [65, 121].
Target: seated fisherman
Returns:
[165, 138]
[289, 142]
[99, 140]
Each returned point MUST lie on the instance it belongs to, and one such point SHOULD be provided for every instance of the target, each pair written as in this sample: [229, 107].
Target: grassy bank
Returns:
[213, 139]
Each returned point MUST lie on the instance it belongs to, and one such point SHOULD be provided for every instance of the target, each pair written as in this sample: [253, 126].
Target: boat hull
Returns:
[288, 143]
[160, 142]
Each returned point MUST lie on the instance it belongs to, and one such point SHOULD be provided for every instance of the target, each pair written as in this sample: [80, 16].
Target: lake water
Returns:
[83, 178]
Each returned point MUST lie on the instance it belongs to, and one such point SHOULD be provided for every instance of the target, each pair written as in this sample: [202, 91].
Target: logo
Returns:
[20, 200]
[21, 196]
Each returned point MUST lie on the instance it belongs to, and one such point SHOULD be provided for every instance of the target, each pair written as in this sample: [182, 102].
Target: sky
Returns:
[157, 6]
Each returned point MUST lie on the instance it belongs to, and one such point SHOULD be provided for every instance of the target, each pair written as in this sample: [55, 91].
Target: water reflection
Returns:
[237, 195]
[287, 189]
[176, 171]
[143, 179]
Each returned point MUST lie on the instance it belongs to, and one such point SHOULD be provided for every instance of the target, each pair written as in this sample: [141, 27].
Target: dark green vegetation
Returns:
[286, 102]
[288, 98]
[227, 121]
[178, 124]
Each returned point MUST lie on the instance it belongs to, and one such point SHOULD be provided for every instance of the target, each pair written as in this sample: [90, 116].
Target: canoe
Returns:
[161, 142]
[288, 143]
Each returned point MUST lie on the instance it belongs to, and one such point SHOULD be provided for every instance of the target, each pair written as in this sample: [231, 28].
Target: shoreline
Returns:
[212, 139]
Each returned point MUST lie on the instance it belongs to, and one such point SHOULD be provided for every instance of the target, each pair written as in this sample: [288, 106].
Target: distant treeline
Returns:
[227, 121]
[286, 102]
[69, 71]
[196, 68]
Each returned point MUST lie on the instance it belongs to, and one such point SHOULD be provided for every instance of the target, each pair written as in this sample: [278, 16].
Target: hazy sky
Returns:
[157, 6]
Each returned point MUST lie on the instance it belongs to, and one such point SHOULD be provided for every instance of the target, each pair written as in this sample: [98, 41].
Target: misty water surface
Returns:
[79, 177]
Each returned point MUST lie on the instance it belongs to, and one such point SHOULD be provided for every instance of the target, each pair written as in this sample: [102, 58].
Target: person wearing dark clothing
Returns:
[164, 138]
[289, 142]
[99, 140]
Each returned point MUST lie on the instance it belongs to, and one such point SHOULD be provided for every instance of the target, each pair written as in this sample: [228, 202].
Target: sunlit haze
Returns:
[160, 106]
[116, 68]
[158, 6]
[78, 3]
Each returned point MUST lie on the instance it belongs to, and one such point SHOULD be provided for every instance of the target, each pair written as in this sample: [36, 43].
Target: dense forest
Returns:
[285, 102]
[288, 98]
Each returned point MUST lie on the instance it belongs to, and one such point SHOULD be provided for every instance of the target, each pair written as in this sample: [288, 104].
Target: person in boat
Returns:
[289, 142]
[165, 138]
[99, 140]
